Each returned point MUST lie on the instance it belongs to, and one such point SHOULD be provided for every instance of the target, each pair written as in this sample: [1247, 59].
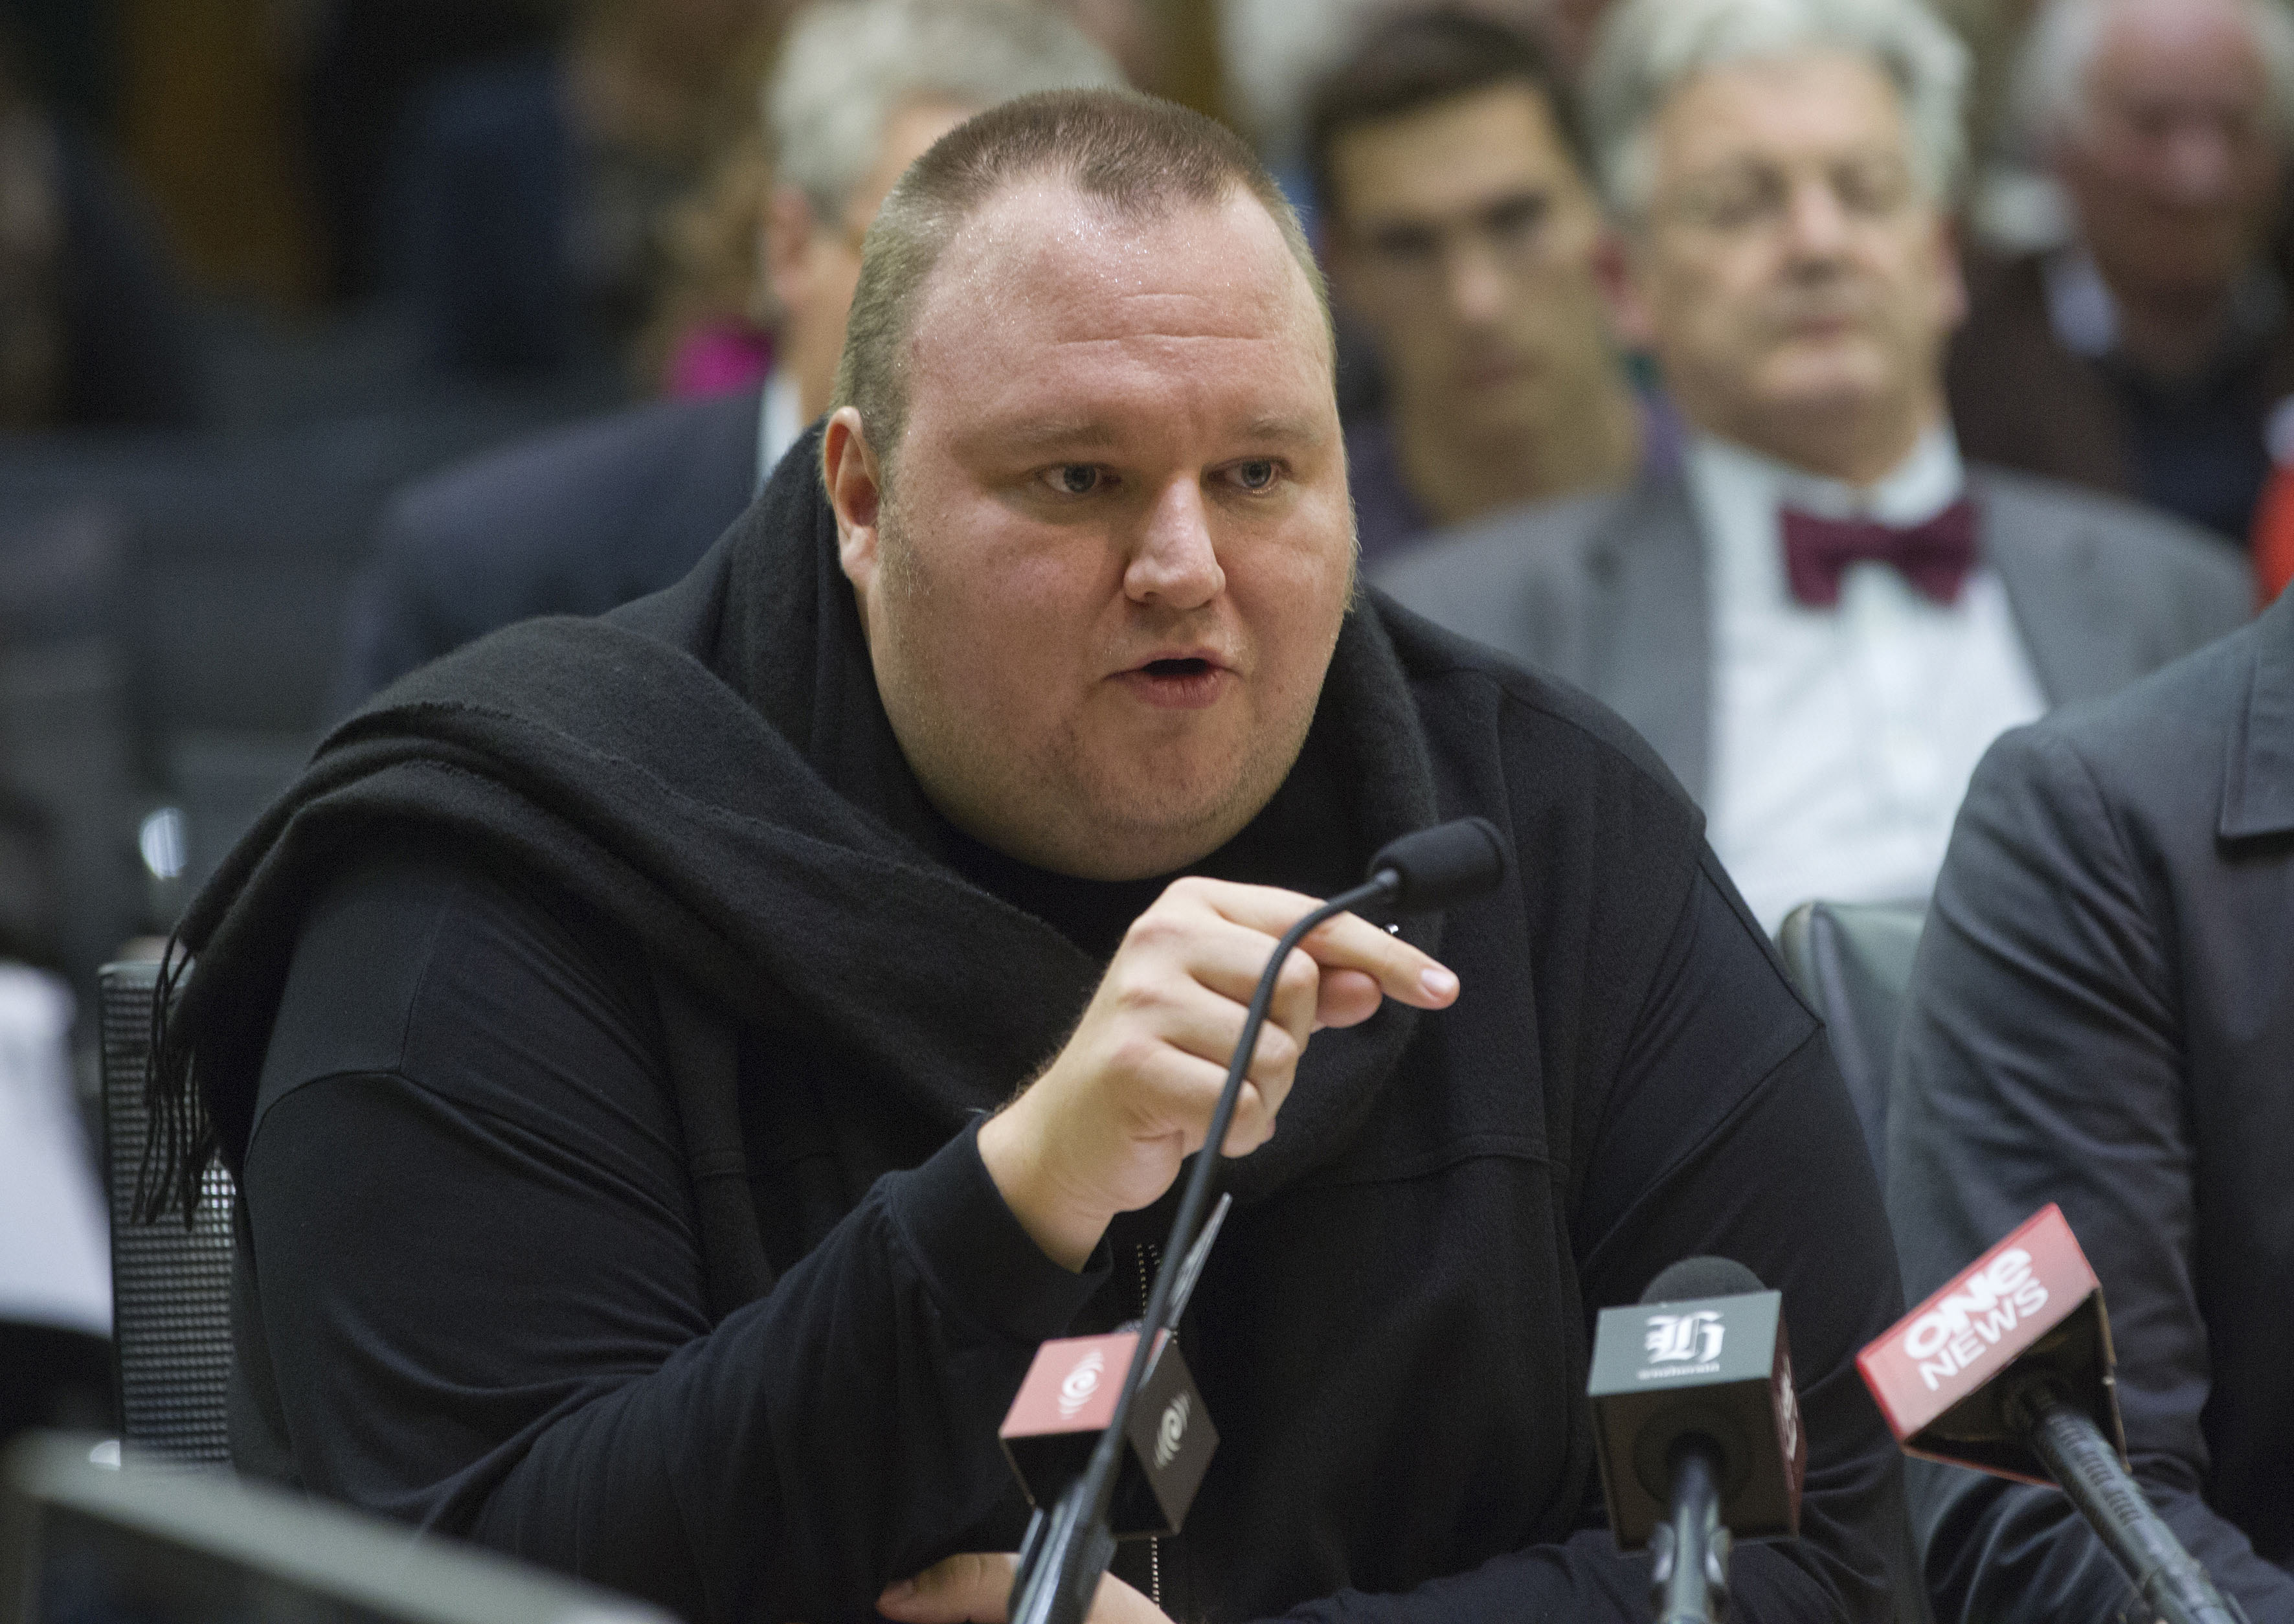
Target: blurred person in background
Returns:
[595, 515]
[528, 194]
[1824, 617]
[362, 63]
[1461, 229]
[2146, 353]
[93, 331]
[712, 328]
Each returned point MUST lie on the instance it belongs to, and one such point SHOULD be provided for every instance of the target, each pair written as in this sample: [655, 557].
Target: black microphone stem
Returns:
[1689, 1557]
[2085, 1467]
[1056, 1587]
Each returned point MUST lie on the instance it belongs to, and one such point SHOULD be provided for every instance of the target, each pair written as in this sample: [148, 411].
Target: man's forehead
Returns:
[1041, 255]
[1802, 99]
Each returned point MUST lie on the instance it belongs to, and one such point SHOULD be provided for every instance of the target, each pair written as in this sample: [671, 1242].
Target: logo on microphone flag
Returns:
[1686, 1339]
[2030, 1302]
[1174, 1430]
[1077, 1386]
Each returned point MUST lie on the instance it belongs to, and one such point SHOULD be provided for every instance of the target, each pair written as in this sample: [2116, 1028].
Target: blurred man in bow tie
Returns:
[1822, 619]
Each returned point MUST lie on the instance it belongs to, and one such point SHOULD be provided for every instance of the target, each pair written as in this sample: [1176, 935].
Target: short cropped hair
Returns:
[2048, 93]
[1646, 49]
[1418, 60]
[1137, 157]
[849, 67]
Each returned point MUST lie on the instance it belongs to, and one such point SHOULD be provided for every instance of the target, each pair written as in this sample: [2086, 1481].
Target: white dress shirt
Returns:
[780, 421]
[1843, 737]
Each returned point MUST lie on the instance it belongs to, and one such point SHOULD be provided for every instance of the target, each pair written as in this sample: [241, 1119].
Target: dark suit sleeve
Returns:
[2042, 1060]
[388, 630]
[1728, 1133]
[480, 1299]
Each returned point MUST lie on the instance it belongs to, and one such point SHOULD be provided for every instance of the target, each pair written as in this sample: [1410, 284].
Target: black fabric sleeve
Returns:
[1729, 1134]
[481, 1297]
[2042, 1060]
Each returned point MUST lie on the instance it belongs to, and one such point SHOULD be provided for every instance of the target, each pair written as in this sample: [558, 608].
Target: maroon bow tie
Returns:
[1935, 556]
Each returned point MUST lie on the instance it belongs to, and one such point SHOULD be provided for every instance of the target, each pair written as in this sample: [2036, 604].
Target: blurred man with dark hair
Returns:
[1461, 228]
[2147, 355]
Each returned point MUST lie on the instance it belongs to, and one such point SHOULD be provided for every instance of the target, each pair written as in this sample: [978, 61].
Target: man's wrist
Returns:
[1012, 1150]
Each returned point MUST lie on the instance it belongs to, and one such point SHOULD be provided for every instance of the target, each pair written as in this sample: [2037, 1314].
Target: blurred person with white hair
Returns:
[2148, 351]
[592, 516]
[1822, 620]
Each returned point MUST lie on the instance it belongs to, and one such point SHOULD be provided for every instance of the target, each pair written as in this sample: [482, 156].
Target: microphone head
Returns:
[1440, 867]
[1703, 1277]
[1703, 1357]
[1948, 1375]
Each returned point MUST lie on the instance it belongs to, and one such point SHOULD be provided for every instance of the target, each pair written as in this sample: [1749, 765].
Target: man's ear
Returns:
[856, 491]
[1618, 278]
[787, 234]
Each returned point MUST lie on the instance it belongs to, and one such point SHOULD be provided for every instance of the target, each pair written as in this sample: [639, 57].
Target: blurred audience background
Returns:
[334, 332]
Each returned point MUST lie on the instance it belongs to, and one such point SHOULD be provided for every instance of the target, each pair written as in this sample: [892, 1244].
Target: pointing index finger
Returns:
[1346, 941]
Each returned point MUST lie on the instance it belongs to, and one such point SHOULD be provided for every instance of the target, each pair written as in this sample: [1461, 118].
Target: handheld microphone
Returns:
[1696, 1428]
[1070, 1542]
[2008, 1369]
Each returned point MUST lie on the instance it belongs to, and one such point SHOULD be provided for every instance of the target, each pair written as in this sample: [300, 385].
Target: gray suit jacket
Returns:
[1608, 592]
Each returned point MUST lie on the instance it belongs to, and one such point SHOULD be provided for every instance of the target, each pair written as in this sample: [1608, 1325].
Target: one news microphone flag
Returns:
[1071, 1541]
[1696, 1428]
[2008, 1369]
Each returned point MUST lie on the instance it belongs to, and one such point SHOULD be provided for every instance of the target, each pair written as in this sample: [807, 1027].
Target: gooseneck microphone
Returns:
[2009, 1369]
[2087, 1469]
[1697, 1428]
[1070, 1543]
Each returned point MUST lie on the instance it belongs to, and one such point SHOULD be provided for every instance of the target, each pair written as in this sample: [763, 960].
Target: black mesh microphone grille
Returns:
[1695, 1278]
[1445, 865]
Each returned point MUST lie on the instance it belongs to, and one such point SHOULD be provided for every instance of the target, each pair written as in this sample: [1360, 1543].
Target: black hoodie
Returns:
[598, 1031]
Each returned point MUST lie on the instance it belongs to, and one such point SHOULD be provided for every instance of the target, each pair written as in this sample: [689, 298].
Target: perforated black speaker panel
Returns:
[170, 1284]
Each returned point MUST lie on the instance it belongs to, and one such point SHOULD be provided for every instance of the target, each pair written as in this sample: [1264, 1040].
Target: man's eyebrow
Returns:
[1285, 430]
[1058, 434]
[1045, 435]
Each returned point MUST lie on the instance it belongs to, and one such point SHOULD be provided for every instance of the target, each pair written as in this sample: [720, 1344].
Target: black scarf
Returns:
[710, 769]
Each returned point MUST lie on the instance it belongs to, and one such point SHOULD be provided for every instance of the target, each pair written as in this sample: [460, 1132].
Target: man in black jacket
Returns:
[617, 1030]
[2103, 1015]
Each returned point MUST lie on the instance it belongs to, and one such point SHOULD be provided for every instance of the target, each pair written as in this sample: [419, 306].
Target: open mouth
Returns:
[1177, 669]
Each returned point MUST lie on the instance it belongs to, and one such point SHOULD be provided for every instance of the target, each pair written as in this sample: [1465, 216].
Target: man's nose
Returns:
[1174, 564]
[1475, 283]
[1816, 225]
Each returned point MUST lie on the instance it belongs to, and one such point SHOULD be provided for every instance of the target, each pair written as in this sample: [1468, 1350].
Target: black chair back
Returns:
[170, 1284]
[1854, 961]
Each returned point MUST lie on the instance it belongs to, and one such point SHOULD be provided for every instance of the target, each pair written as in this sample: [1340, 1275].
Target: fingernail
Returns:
[898, 1590]
[1438, 981]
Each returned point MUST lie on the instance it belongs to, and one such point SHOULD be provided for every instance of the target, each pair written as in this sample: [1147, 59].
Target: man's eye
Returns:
[1255, 475]
[1076, 478]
